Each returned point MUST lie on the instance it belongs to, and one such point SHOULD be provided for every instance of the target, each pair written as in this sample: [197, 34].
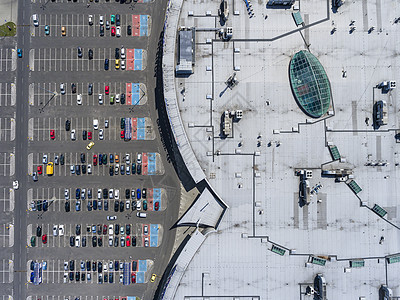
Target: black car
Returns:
[105, 193]
[104, 159]
[129, 30]
[99, 228]
[134, 265]
[83, 158]
[39, 205]
[116, 205]
[32, 265]
[90, 88]
[67, 125]
[122, 170]
[116, 53]
[100, 241]
[45, 205]
[116, 231]
[122, 98]
[128, 229]
[84, 241]
[127, 193]
[111, 170]
[116, 241]
[99, 204]
[78, 229]
[88, 265]
[62, 160]
[89, 194]
[133, 168]
[77, 193]
[101, 30]
[73, 88]
[94, 266]
[71, 265]
[83, 277]
[83, 169]
[134, 241]
[111, 277]
[39, 231]
[144, 193]
[100, 267]
[106, 64]
[121, 206]
[94, 242]
[77, 276]
[122, 123]
[72, 241]
[117, 20]
[79, 52]
[84, 135]
[105, 277]
[90, 54]
[77, 169]
[67, 206]
[139, 169]
[71, 276]
[89, 205]
[116, 265]
[106, 205]
[94, 205]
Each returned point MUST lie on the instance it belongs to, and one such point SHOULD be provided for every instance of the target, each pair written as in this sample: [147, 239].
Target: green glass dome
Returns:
[310, 84]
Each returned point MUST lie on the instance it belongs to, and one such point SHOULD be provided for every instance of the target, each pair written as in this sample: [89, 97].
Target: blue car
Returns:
[138, 194]
[77, 194]
[47, 29]
[32, 276]
[78, 205]
[19, 52]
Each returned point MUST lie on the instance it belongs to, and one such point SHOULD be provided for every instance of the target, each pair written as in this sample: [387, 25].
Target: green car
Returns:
[145, 205]
[122, 123]
[112, 100]
[112, 19]
[104, 159]
[33, 241]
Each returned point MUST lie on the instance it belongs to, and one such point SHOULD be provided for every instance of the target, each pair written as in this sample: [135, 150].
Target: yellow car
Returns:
[117, 64]
[63, 31]
[90, 145]
[153, 277]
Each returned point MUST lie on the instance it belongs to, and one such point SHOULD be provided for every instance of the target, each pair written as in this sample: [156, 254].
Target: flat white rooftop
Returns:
[253, 170]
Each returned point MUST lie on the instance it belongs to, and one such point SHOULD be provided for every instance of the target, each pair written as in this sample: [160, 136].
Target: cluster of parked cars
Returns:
[107, 272]
[87, 134]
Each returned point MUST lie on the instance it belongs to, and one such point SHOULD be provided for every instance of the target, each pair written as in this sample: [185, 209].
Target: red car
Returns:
[107, 89]
[52, 134]
[156, 205]
[44, 238]
[128, 241]
[89, 135]
[133, 277]
[122, 134]
[40, 170]
[113, 31]
[95, 160]
[104, 229]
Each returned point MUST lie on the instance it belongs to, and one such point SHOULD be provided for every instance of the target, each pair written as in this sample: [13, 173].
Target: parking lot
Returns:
[6, 199]
[67, 59]
[7, 164]
[6, 265]
[7, 94]
[7, 129]
[48, 94]
[6, 235]
[8, 58]
[77, 25]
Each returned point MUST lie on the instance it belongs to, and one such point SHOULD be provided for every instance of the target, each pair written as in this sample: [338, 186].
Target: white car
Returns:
[138, 205]
[116, 171]
[118, 31]
[101, 134]
[117, 98]
[99, 194]
[79, 99]
[128, 204]
[78, 241]
[110, 241]
[111, 218]
[116, 194]
[121, 278]
[145, 230]
[122, 52]
[55, 230]
[101, 21]
[72, 169]
[65, 266]
[111, 194]
[89, 169]
[65, 277]
[106, 123]
[139, 158]
[111, 229]
[122, 65]
[100, 98]
[35, 20]
[60, 230]
[62, 88]
[146, 241]
[73, 135]
[44, 159]
[66, 194]
[90, 19]
[127, 158]
[95, 124]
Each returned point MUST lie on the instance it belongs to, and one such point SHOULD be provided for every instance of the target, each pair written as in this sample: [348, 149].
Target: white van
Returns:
[35, 20]
[95, 124]
[141, 215]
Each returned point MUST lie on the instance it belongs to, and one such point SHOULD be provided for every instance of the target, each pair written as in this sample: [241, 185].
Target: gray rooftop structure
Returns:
[253, 170]
[186, 52]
